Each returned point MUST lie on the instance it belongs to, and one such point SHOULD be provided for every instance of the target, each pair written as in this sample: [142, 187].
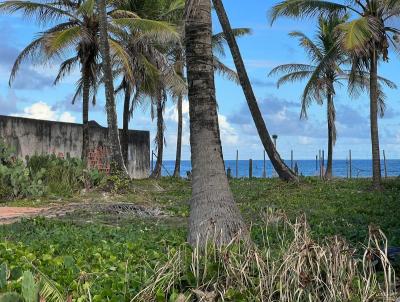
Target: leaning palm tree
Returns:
[213, 212]
[368, 36]
[280, 167]
[322, 74]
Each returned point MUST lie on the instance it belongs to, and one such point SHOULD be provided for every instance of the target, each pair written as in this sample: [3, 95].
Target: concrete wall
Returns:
[30, 137]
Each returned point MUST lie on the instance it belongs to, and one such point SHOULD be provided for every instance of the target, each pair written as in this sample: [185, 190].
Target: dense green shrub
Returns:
[43, 174]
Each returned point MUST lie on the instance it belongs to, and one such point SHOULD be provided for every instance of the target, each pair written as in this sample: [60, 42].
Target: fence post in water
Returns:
[291, 159]
[350, 164]
[265, 170]
[250, 168]
[237, 163]
[384, 162]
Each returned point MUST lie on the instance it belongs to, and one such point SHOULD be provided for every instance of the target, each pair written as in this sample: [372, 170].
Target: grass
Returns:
[103, 251]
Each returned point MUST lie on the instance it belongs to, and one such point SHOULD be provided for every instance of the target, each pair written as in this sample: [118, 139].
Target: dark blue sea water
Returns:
[360, 168]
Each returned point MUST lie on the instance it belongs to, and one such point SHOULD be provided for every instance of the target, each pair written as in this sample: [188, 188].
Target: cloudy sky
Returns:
[33, 95]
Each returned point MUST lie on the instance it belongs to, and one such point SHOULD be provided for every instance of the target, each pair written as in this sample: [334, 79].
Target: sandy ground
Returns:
[10, 214]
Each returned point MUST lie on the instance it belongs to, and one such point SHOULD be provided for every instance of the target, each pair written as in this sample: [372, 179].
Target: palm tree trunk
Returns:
[85, 113]
[177, 171]
[331, 138]
[214, 215]
[376, 162]
[113, 133]
[125, 128]
[159, 137]
[280, 167]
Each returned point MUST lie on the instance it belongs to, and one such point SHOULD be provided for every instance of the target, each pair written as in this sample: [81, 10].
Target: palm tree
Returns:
[76, 31]
[322, 74]
[367, 36]
[280, 167]
[212, 207]
[113, 134]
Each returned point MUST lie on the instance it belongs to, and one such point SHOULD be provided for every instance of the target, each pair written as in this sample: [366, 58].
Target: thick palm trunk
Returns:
[331, 138]
[177, 171]
[113, 134]
[213, 212]
[376, 162]
[159, 137]
[85, 113]
[280, 167]
[125, 128]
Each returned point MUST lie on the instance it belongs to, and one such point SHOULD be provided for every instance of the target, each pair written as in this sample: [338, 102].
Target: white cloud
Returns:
[305, 140]
[67, 117]
[228, 133]
[43, 111]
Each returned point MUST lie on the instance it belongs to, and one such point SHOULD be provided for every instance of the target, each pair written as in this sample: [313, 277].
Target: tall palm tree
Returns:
[280, 167]
[113, 134]
[212, 207]
[322, 74]
[368, 36]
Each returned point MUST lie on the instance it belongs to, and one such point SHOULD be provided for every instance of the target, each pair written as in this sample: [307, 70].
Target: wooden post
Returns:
[323, 163]
[250, 168]
[319, 159]
[291, 159]
[237, 163]
[347, 167]
[265, 169]
[229, 173]
[384, 162]
[152, 161]
[350, 164]
[316, 162]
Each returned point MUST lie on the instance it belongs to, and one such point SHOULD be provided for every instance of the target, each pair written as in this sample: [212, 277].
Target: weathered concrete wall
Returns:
[30, 137]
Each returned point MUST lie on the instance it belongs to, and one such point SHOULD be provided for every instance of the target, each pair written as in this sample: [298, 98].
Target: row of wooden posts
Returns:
[319, 165]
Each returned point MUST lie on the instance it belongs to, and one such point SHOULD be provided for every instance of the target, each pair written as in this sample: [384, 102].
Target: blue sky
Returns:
[33, 94]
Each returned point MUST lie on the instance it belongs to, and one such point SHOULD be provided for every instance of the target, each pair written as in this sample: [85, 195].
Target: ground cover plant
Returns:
[114, 257]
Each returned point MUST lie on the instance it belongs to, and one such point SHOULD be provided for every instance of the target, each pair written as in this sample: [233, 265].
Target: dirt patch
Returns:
[12, 214]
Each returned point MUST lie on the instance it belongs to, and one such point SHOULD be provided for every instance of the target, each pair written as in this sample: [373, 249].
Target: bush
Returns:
[43, 174]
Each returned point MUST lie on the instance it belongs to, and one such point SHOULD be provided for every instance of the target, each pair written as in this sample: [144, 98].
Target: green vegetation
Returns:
[114, 256]
[43, 175]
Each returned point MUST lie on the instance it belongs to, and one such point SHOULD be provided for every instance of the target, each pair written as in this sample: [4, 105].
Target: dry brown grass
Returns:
[296, 269]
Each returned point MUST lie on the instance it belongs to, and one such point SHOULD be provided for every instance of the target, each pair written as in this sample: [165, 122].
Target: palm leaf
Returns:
[356, 33]
[59, 41]
[42, 12]
[304, 8]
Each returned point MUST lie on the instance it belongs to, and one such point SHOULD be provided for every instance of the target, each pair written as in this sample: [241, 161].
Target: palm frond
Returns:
[32, 50]
[294, 77]
[218, 40]
[289, 68]
[65, 68]
[312, 50]
[42, 12]
[59, 41]
[225, 71]
[356, 33]
[304, 8]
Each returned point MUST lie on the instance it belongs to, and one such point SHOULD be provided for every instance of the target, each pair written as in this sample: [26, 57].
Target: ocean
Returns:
[361, 168]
